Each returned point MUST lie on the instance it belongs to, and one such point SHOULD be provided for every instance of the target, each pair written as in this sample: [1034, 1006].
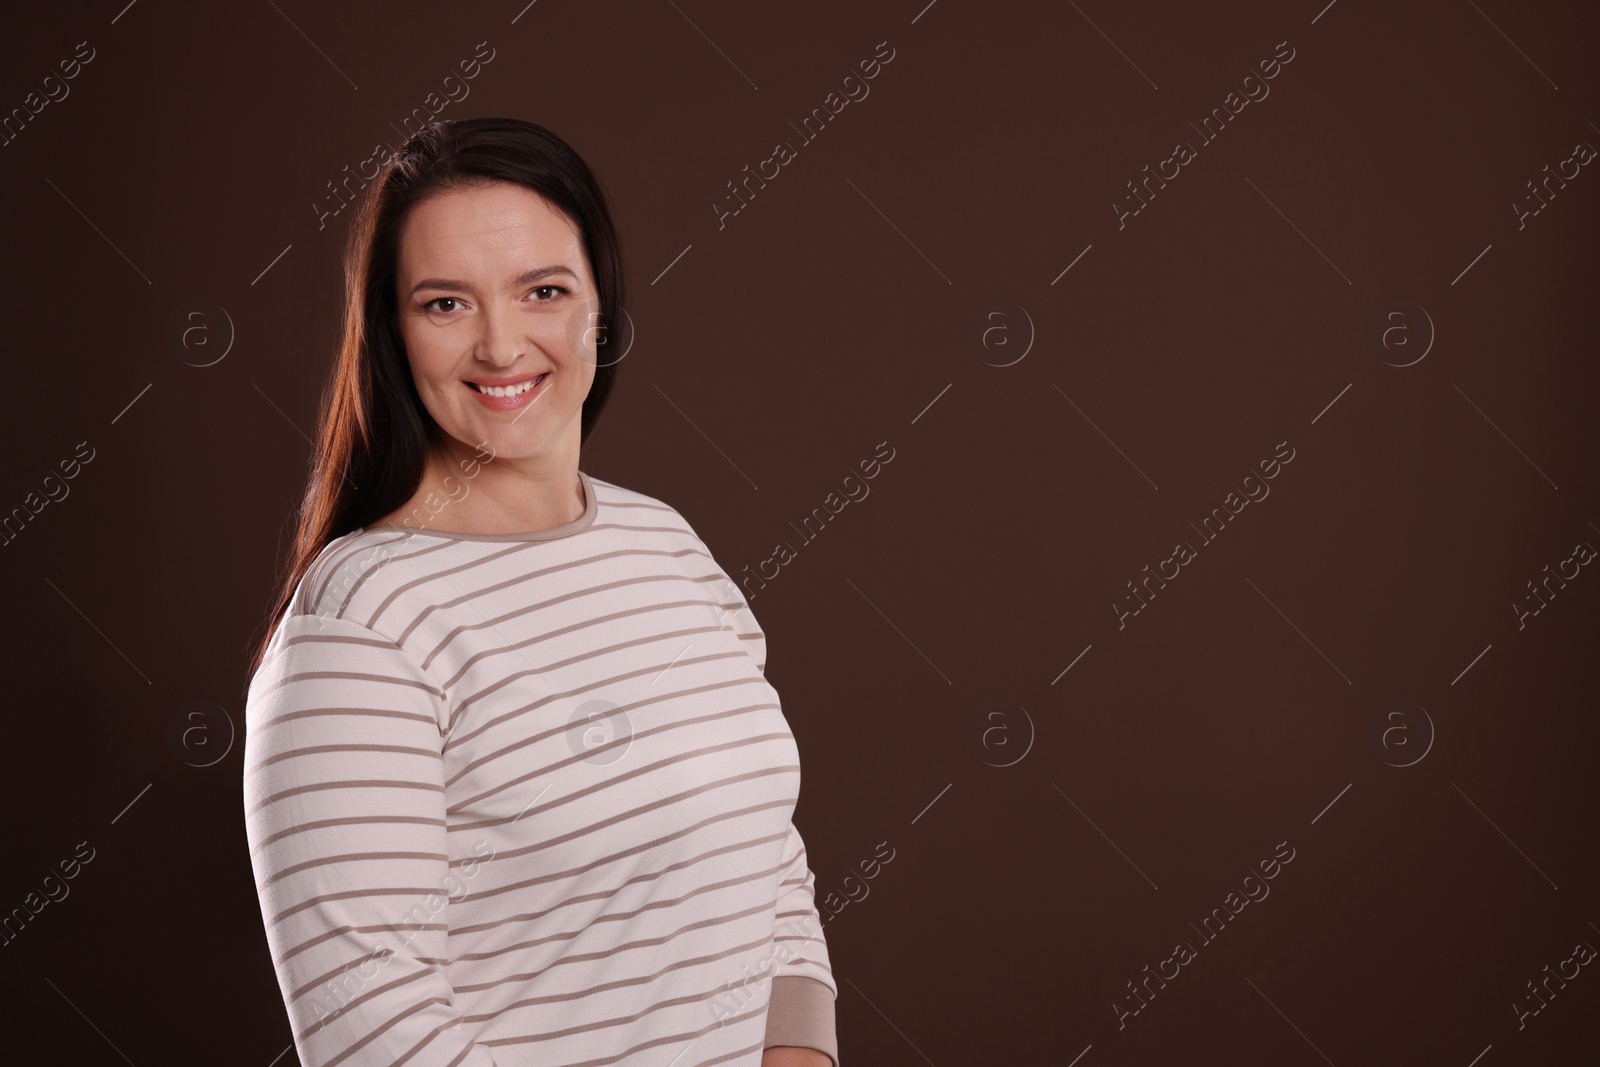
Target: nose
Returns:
[500, 339]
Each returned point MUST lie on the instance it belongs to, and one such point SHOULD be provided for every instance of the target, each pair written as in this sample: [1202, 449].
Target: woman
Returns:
[517, 789]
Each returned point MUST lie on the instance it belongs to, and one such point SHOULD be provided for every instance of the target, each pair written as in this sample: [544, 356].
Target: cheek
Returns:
[432, 366]
[585, 377]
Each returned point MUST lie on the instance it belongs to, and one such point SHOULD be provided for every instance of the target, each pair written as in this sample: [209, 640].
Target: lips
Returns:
[509, 394]
[507, 387]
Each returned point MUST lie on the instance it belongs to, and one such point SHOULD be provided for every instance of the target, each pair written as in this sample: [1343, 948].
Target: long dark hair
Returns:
[373, 433]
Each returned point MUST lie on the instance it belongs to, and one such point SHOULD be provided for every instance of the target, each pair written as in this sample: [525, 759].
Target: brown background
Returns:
[847, 306]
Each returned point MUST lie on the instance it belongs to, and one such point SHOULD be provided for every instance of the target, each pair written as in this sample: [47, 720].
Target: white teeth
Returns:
[509, 390]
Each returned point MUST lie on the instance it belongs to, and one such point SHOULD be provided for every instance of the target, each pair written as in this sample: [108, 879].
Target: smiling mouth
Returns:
[509, 390]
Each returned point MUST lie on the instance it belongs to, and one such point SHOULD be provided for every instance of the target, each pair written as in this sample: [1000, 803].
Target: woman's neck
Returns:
[469, 491]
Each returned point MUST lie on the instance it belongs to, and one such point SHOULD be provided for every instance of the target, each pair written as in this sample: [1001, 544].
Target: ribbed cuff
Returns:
[800, 1012]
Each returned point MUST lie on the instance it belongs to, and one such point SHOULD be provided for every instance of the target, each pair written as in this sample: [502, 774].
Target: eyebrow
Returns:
[527, 276]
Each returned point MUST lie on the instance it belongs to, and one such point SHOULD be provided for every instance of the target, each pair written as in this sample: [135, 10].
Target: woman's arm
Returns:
[800, 1011]
[344, 806]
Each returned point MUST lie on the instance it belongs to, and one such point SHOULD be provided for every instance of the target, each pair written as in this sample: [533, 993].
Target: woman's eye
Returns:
[543, 294]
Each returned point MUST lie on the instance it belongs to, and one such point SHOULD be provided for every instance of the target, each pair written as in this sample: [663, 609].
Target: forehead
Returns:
[464, 226]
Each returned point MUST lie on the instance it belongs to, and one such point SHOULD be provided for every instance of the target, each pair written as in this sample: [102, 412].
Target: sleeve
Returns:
[730, 609]
[801, 1008]
[344, 810]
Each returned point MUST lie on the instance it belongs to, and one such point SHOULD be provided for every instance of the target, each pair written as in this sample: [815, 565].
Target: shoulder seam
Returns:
[378, 638]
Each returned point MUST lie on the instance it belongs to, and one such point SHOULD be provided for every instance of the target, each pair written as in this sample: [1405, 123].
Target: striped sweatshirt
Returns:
[527, 799]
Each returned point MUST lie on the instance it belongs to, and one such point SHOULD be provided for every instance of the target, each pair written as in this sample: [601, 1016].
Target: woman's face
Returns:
[494, 292]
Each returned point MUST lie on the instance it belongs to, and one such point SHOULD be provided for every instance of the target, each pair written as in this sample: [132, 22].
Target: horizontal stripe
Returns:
[576, 958]
[582, 793]
[366, 785]
[572, 994]
[341, 931]
[554, 768]
[354, 746]
[621, 916]
[688, 832]
[577, 692]
[312, 713]
[354, 820]
[639, 879]
[353, 857]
